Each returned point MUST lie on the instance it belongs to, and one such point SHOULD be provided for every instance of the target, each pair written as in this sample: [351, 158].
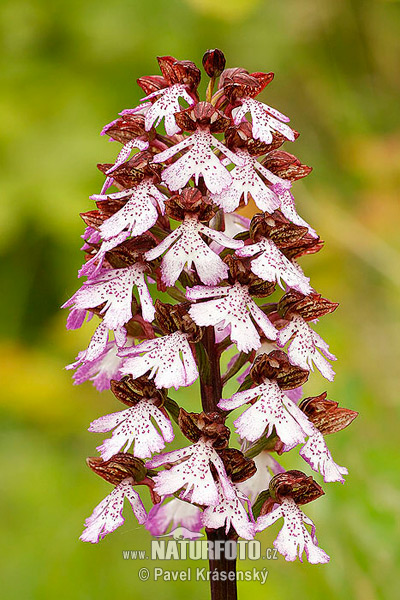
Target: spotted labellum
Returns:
[187, 292]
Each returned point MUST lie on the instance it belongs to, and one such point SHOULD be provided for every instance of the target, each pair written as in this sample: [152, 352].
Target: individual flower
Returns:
[178, 79]
[135, 424]
[272, 409]
[139, 213]
[189, 248]
[130, 132]
[265, 120]
[100, 370]
[98, 345]
[125, 152]
[294, 538]
[171, 514]
[326, 417]
[165, 107]
[94, 264]
[107, 516]
[234, 307]
[169, 360]
[199, 160]
[272, 265]
[230, 513]
[245, 182]
[114, 288]
[303, 349]
[193, 473]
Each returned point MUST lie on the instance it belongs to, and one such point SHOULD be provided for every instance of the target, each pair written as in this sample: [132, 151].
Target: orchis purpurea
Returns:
[179, 280]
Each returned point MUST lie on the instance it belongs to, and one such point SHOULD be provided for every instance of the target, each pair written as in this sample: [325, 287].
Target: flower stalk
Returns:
[223, 585]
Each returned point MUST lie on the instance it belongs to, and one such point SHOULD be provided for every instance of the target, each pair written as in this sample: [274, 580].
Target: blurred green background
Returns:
[67, 68]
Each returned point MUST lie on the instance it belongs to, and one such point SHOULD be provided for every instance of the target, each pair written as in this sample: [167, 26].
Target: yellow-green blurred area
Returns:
[67, 68]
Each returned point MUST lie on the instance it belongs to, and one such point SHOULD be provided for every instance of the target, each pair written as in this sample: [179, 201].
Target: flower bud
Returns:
[214, 62]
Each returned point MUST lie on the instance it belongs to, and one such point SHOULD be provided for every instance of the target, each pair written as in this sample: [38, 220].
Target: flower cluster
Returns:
[177, 280]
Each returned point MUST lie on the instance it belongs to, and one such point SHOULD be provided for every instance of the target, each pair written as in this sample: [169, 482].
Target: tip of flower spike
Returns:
[214, 62]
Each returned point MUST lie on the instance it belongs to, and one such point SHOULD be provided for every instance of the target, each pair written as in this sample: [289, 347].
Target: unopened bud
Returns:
[214, 62]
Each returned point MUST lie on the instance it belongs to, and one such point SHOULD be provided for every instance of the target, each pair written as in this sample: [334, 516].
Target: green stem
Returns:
[210, 89]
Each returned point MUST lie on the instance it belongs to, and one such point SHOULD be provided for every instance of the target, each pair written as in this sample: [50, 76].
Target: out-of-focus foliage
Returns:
[66, 68]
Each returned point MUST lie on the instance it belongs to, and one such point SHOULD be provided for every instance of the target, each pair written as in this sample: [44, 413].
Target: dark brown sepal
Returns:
[152, 83]
[238, 83]
[238, 467]
[107, 208]
[239, 271]
[327, 416]
[175, 317]
[203, 115]
[132, 172]
[309, 307]
[137, 327]
[129, 127]
[190, 200]
[130, 391]
[207, 425]
[278, 140]
[188, 425]
[238, 136]
[276, 366]
[179, 71]
[280, 230]
[307, 245]
[259, 288]
[296, 485]
[130, 252]
[285, 165]
[118, 468]
[93, 218]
